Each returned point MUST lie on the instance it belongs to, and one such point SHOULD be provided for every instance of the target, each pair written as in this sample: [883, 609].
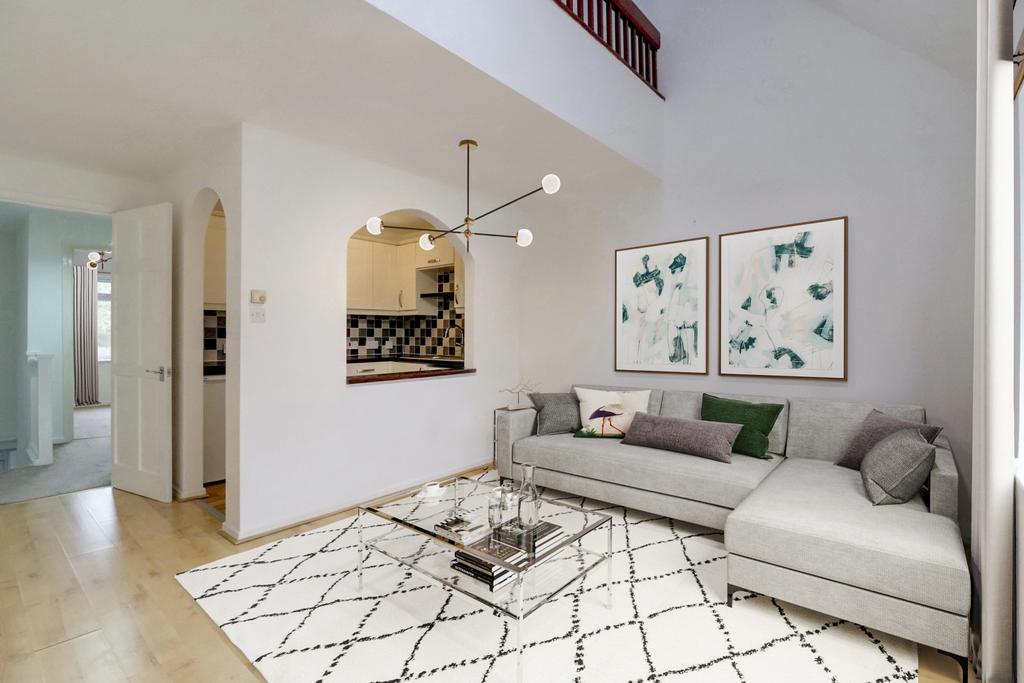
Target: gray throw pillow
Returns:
[556, 413]
[704, 439]
[877, 426]
[897, 467]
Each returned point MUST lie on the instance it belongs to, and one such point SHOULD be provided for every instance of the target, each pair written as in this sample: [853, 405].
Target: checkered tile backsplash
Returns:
[376, 336]
[215, 332]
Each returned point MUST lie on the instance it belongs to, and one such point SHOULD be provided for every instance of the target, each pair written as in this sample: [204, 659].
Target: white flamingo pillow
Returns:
[609, 414]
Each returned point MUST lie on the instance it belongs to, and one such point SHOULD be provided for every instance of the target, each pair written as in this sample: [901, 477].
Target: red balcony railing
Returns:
[622, 28]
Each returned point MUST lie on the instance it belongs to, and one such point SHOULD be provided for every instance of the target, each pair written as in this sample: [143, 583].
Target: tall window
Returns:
[103, 317]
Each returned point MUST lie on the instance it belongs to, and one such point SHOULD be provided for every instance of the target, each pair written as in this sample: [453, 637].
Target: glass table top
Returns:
[469, 498]
[407, 534]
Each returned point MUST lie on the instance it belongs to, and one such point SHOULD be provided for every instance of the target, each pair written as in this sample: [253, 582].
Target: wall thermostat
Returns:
[257, 296]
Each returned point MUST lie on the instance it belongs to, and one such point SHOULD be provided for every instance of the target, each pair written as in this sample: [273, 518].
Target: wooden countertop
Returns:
[418, 374]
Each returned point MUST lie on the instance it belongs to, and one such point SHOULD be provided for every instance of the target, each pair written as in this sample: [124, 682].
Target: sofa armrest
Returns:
[943, 486]
[509, 427]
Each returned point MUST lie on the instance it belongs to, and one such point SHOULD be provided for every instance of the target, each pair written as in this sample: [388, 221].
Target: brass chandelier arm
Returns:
[494, 210]
[499, 208]
[402, 227]
[491, 234]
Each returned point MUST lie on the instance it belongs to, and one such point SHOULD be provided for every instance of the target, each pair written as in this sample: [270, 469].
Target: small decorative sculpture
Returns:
[517, 399]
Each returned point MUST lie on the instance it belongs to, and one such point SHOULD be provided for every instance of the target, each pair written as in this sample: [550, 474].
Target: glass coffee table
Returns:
[529, 579]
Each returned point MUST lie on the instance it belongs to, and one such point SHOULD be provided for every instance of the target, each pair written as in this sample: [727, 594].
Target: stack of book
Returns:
[510, 546]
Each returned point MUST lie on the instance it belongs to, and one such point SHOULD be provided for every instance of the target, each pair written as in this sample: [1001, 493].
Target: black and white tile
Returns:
[215, 333]
[294, 609]
[383, 336]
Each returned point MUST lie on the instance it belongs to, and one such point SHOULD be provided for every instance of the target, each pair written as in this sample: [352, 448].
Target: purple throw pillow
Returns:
[877, 426]
[704, 439]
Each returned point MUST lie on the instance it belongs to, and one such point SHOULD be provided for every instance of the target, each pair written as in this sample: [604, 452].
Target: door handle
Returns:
[162, 372]
[400, 298]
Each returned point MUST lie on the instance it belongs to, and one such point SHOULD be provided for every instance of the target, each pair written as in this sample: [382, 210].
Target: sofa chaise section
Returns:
[809, 535]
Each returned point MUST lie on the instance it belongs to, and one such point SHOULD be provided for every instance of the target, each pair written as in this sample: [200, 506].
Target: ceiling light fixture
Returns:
[550, 184]
[96, 259]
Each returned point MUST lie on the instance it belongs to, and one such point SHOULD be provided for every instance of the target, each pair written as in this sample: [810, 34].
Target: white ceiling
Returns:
[938, 31]
[130, 88]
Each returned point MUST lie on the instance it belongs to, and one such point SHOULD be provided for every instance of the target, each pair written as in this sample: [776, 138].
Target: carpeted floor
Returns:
[295, 609]
[80, 464]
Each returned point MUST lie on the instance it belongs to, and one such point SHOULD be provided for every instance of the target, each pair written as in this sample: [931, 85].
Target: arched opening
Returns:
[408, 307]
[205, 388]
[215, 360]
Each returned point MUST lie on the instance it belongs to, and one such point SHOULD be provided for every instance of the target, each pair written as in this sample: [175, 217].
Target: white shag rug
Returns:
[294, 608]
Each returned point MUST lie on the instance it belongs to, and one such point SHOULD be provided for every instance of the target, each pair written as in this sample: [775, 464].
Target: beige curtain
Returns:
[86, 365]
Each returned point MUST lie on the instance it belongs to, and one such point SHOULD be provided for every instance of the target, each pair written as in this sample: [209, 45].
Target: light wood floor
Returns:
[87, 593]
[216, 497]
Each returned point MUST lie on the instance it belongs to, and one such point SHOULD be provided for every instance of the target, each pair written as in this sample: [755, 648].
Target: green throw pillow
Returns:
[757, 420]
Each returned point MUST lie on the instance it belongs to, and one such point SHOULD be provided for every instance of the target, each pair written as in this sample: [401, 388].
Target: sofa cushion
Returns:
[610, 413]
[556, 413]
[650, 469]
[896, 468]
[687, 404]
[700, 438]
[653, 406]
[823, 430]
[758, 420]
[875, 427]
[814, 517]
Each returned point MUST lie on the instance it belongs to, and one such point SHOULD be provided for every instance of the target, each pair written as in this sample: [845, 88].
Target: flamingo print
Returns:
[606, 413]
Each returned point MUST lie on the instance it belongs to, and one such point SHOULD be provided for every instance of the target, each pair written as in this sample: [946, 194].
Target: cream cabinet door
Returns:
[360, 274]
[460, 283]
[442, 254]
[408, 297]
[385, 282]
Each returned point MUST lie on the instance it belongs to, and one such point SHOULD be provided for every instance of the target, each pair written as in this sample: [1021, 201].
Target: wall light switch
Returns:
[257, 313]
[257, 296]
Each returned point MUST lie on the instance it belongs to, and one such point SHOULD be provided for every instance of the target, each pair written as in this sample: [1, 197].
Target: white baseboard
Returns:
[181, 496]
[232, 534]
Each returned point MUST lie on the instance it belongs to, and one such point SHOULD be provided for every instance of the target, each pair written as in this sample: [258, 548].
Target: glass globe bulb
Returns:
[93, 256]
[524, 237]
[374, 225]
[426, 244]
[91, 265]
[551, 183]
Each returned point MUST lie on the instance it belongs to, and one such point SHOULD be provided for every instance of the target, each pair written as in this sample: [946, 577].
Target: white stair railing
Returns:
[40, 437]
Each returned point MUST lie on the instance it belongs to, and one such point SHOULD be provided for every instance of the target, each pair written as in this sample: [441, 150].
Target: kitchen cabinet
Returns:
[360, 274]
[389, 278]
[443, 254]
[408, 296]
[213, 430]
[384, 276]
[214, 263]
[460, 284]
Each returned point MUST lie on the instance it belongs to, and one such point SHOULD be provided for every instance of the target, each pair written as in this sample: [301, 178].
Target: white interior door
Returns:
[141, 351]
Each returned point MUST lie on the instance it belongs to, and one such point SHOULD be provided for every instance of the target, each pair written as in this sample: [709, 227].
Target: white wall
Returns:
[42, 183]
[311, 444]
[775, 113]
[563, 68]
[215, 174]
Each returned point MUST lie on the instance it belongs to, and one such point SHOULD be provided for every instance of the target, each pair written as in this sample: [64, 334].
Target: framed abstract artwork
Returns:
[661, 307]
[782, 301]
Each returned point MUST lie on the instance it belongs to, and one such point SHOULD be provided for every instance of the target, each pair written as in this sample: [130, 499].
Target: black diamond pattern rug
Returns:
[294, 608]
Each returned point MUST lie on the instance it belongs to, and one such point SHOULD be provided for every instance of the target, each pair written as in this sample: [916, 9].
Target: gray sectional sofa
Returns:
[797, 527]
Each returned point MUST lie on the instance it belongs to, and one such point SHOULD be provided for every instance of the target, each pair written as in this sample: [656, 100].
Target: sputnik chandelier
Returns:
[97, 259]
[523, 237]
